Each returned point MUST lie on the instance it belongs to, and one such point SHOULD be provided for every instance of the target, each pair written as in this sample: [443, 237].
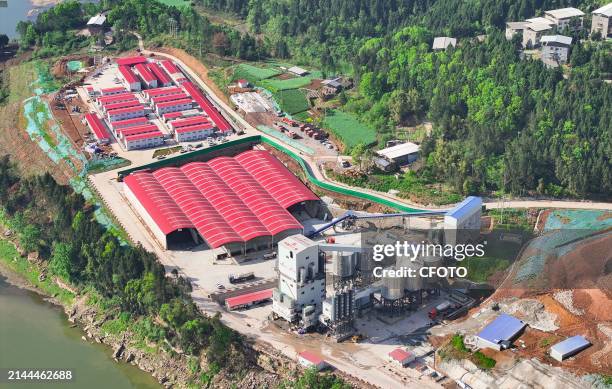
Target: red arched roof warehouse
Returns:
[227, 200]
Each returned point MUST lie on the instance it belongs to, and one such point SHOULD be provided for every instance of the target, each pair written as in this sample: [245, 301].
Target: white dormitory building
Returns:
[173, 106]
[143, 141]
[125, 113]
[112, 91]
[130, 78]
[601, 21]
[193, 133]
[146, 76]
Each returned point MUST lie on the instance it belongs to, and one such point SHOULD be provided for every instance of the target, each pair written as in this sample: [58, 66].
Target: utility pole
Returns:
[173, 27]
[503, 197]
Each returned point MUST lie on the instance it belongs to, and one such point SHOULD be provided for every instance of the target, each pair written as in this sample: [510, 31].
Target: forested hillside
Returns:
[501, 123]
[330, 31]
[55, 31]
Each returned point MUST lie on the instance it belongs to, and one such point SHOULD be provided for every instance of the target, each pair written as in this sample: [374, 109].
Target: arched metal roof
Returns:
[286, 188]
[227, 200]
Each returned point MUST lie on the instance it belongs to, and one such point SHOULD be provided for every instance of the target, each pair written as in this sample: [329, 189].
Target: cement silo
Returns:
[413, 281]
[432, 261]
[393, 288]
[344, 264]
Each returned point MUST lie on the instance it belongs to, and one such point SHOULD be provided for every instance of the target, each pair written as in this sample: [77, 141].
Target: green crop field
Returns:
[253, 73]
[348, 129]
[275, 85]
[291, 101]
[175, 3]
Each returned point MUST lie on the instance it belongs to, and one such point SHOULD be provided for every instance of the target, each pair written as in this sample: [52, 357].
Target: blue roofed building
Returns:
[569, 347]
[500, 332]
[462, 223]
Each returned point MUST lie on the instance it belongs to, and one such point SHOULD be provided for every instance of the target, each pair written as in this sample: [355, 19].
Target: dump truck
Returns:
[242, 277]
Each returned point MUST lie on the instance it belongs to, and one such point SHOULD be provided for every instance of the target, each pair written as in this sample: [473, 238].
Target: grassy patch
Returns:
[348, 129]
[19, 80]
[457, 342]
[104, 165]
[303, 117]
[456, 349]
[511, 219]
[118, 325]
[480, 269]
[167, 151]
[292, 101]
[20, 265]
[253, 73]
[276, 84]
[175, 3]
[409, 186]
[482, 361]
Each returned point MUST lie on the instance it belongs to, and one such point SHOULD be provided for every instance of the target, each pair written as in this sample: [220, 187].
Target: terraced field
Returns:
[348, 129]
[254, 73]
[291, 101]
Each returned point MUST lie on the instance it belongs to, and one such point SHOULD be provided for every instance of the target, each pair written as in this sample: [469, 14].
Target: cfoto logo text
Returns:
[423, 272]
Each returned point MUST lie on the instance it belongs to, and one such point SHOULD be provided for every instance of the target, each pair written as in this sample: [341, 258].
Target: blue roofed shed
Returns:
[569, 347]
[465, 207]
[500, 332]
[462, 222]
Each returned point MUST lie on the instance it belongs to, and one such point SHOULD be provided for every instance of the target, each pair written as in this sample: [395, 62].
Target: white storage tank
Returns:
[393, 288]
[344, 263]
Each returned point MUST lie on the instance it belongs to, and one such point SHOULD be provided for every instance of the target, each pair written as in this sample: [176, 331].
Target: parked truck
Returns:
[439, 310]
[242, 277]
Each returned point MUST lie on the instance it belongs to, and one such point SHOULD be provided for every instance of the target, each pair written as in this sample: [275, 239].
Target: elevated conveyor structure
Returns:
[352, 215]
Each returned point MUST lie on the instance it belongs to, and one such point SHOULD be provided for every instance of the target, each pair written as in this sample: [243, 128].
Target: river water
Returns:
[12, 11]
[36, 334]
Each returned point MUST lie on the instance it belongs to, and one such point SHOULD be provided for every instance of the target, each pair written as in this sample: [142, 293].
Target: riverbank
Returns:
[84, 309]
[25, 273]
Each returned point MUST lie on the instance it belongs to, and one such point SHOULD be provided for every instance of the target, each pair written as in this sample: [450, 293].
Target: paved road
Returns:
[548, 204]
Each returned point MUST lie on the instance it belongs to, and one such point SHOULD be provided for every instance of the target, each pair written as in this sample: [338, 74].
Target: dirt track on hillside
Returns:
[197, 67]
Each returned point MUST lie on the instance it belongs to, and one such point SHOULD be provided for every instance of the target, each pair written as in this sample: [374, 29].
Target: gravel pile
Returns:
[566, 298]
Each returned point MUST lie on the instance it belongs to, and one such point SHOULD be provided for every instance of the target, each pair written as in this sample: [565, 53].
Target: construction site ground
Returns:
[14, 141]
[367, 360]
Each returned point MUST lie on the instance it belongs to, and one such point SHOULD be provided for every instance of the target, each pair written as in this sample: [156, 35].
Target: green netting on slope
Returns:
[46, 133]
[578, 219]
[74, 66]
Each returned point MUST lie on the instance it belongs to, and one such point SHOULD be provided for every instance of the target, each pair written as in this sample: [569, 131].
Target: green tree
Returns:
[61, 260]
[140, 296]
